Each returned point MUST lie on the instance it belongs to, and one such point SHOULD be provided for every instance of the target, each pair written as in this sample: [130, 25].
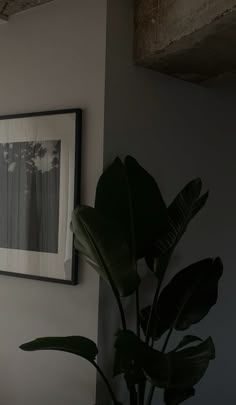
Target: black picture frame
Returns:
[77, 114]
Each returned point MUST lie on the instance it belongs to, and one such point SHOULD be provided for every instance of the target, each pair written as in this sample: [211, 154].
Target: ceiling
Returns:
[10, 7]
[194, 42]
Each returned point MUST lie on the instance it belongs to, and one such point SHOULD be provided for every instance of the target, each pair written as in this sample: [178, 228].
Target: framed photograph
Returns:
[39, 188]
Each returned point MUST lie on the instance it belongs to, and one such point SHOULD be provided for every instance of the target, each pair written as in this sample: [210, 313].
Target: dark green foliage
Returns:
[176, 369]
[177, 396]
[187, 299]
[180, 212]
[187, 340]
[78, 345]
[184, 207]
[97, 239]
[127, 194]
[131, 221]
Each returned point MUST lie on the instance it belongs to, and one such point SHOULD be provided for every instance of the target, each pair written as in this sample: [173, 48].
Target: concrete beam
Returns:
[10, 7]
[193, 40]
[3, 17]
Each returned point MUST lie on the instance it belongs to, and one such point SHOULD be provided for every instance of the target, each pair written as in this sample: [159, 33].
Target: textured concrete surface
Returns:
[188, 39]
[7, 8]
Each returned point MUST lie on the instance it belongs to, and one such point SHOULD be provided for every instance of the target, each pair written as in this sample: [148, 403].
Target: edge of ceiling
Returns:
[11, 7]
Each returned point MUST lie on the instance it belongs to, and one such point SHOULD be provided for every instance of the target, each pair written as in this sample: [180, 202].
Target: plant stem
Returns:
[114, 288]
[167, 340]
[137, 313]
[154, 304]
[133, 395]
[141, 392]
[106, 383]
[150, 395]
[122, 314]
[153, 387]
[117, 296]
[150, 319]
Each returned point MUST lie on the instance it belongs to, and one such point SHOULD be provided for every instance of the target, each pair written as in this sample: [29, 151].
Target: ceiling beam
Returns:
[3, 17]
[189, 39]
[10, 7]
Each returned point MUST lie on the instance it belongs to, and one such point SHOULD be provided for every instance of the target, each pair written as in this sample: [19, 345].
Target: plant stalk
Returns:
[114, 289]
[122, 314]
[150, 395]
[154, 304]
[133, 395]
[150, 319]
[106, 383]
[137, 313]
[153, 387]
[167, 340]
[117, 296]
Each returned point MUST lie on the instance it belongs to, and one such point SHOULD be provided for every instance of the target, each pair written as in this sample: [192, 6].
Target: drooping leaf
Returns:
[112, 197]
[187, 298]
[187, 340]
[187, 366]
[104, 246]
[77, 345]
[182, 369]
[150, 212]
[126, 193]
[177, 396]
[181, 211]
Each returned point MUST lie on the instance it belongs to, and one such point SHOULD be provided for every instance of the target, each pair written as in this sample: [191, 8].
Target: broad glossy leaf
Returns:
[127, 194]
[182, 369]
[150, 212]
[78, 345]
[182, 210]
[112, 196]
[185, 206]
[187, 298]
[103, 244]
[177, 396]
[187, 340]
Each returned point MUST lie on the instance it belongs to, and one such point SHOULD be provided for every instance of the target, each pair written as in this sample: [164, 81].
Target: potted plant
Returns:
[131, 221]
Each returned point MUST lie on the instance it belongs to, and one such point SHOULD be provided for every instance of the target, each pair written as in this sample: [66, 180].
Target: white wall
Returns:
[178, 131]
[53, 57]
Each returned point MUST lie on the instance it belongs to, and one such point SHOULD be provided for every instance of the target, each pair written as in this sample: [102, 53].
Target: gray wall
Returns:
[177, 131]
[53, 57]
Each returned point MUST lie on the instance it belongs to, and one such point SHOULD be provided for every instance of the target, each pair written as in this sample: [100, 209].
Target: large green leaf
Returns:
[186, 299]
[103, 244]
[181, 211]
[182, 369]
[177, 396]
[187, 340]
[78, 345]
[127, 194]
